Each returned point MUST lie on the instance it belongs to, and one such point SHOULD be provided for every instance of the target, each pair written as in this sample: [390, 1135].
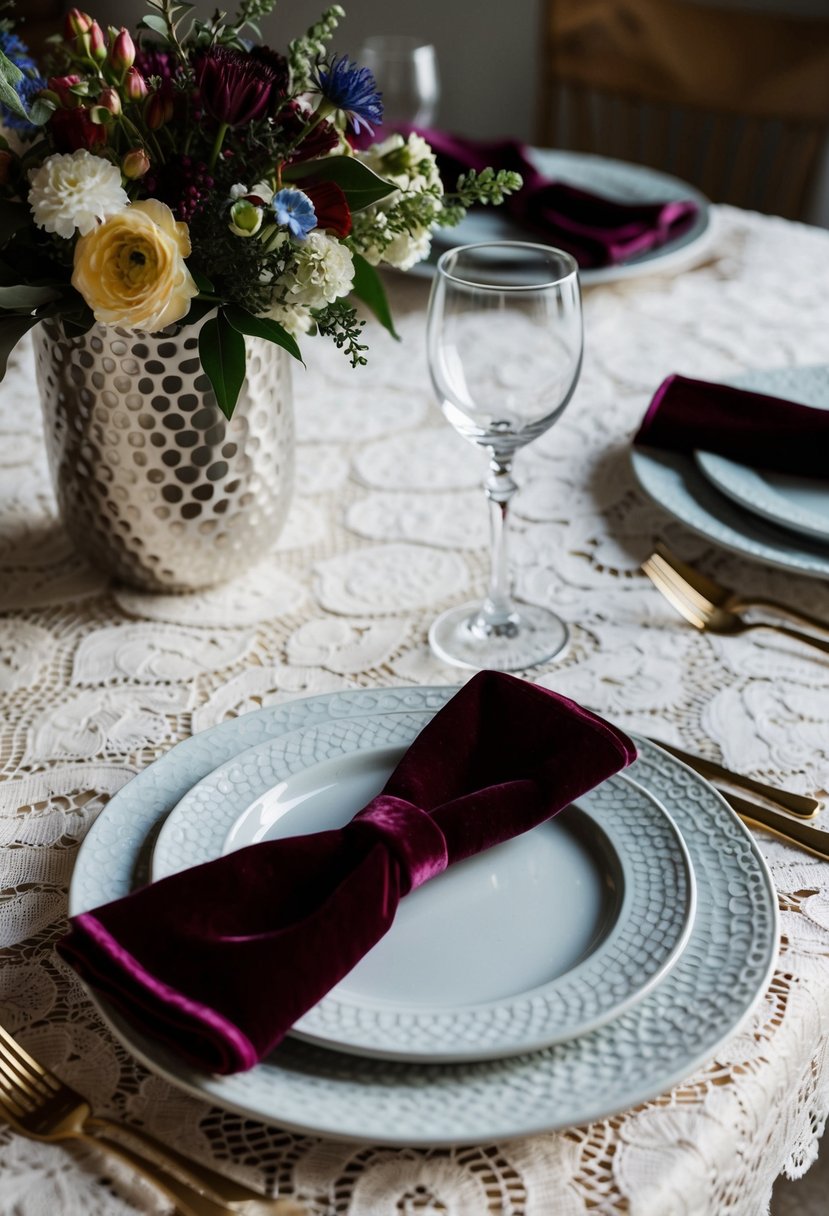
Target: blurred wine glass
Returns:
[504, 340]
[406, 72]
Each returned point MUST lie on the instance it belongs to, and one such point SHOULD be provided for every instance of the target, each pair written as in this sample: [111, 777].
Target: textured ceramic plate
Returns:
[676, 482]
[616, 179]
[798, 503]
[721, 974]
[544, 937]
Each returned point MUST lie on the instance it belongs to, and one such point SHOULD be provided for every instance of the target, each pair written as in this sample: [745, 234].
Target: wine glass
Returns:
[504, 337]
[406, 72]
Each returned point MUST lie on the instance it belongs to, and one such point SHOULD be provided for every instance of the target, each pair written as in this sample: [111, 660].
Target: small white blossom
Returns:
[408, 248]
[322, 272]
[410, 164]
[74, 192]
[297, 321]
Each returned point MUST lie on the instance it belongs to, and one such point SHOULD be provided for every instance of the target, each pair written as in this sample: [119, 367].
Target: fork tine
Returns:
[699, 582]
[12, 1103]
[677, 579]
[684, 607]
[19, 1066]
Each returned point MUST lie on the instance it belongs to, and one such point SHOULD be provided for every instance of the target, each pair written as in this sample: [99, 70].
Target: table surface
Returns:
[389, 526]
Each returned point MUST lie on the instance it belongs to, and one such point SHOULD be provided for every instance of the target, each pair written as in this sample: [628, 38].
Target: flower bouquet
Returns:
[189, 176]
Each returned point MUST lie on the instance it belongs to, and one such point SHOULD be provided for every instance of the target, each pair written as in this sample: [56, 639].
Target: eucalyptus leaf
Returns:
[12, 328]
[41, 111]
[23, 297]
[10, 77]
[157, 24]
[262, 327]
[222, 354]
[360, 185]
[368, 288]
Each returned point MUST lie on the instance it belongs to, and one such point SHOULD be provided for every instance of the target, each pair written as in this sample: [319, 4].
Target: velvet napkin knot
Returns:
[220, 960]
[597, 231]
[766, 432]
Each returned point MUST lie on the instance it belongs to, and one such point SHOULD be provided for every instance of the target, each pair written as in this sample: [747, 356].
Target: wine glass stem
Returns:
[497, 615]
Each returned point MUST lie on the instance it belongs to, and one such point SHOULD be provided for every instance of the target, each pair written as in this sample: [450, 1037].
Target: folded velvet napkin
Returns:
[753, 428]
[597, 231]
[220, 960]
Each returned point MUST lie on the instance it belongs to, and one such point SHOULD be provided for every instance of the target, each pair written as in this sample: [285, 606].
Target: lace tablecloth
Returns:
[389, 526]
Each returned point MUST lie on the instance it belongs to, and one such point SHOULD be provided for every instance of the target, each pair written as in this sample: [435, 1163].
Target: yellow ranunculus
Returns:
[131, 269]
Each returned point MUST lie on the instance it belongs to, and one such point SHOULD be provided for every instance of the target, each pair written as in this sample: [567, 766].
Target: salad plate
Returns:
[677, 482]
[705, 998]
[546, 936]
[619, 180]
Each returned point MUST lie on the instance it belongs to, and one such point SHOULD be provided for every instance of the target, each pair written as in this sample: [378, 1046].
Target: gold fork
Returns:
[701, 589]
[709, 617]
[39, 1105]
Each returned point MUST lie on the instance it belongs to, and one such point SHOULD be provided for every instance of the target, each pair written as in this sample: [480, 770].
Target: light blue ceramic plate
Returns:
[721, 974]
[616, 179]
[800, 504]
[677, 483]
[545, 937]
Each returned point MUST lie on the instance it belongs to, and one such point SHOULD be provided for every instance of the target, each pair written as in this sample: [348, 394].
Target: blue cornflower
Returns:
[16, 50]
[353, 90]
[294, 211]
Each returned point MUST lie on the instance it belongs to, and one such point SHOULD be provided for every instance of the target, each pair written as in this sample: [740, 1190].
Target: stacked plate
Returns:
[561, 977]
[774, 517]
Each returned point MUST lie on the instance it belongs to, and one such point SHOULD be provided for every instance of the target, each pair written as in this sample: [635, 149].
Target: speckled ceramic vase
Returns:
[154, 484]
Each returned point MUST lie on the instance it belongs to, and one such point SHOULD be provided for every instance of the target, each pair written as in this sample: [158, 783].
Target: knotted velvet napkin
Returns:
[220, 960]
[597, 231]
[753, 428]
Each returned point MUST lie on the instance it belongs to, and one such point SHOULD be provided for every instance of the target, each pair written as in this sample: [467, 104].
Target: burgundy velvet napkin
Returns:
[758, 430]
[220, 960]
[597, 231]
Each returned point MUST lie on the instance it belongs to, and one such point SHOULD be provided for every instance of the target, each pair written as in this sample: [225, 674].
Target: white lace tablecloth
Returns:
[389, 526]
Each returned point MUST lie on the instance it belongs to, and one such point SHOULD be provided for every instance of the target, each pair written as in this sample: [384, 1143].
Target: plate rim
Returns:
[263, 753]
[184, 759]
[758, 497]
[671, 256]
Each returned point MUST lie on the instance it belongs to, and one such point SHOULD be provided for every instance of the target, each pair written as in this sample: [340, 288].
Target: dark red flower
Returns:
[330, 206]
[61, 85]
[281, 72]
[291, 119]
[74, 129]
[234, 87]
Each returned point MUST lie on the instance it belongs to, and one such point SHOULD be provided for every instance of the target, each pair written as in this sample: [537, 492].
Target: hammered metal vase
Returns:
[154, 484]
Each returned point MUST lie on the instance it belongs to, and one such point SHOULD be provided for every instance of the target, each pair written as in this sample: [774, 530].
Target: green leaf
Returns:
[368, 287]
[157, 24]
[10, 76]
[13, 217]
[198, 309]
[262, 327]
[360, 185]
[24, 298]
[202, 281]
[222, 354]
[41, 111]
[12, 329]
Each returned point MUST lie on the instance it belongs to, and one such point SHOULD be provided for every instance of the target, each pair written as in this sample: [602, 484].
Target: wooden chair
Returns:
[734, 101]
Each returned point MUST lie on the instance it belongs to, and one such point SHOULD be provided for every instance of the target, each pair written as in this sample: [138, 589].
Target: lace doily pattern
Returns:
[96, 681]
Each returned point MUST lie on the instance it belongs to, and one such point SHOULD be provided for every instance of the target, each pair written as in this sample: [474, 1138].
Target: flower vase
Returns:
[154, 484]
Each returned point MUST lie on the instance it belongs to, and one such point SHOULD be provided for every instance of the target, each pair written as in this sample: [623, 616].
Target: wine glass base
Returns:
[535, 635]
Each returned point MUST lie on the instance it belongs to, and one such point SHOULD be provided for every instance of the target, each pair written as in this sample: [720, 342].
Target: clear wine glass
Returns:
[406, 72]
[505, 339]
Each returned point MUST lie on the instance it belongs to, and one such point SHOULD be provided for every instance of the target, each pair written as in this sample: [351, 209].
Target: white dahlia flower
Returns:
[74, 192]
[322, 273]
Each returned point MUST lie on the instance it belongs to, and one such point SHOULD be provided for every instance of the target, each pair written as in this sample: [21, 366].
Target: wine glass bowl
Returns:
[406, 72]
[504, 341]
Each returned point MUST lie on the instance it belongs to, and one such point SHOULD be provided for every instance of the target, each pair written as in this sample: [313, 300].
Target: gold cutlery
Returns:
[793, 831]
[38, 1104]
[702, 589]
[802, 805]
[707, 617]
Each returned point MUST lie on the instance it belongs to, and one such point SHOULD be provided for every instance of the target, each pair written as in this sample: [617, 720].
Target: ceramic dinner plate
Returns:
[797, 503]
[616, 179]
[546, 936]
[719, 977]
[677, 482]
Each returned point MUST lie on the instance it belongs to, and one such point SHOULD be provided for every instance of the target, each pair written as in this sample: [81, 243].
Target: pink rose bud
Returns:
[155, 112]
[135, 86]
[110, 100]
[135, 164]
[97, 42]
[76, 23]
[122, 53]
[62, 87]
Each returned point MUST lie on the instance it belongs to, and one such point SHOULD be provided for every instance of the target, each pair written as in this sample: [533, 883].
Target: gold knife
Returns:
[796, 804]
[793, 831]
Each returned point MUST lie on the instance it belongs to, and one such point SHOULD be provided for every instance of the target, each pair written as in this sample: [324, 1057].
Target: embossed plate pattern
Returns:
[721, 974]
[565, 949]
[675, 482]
